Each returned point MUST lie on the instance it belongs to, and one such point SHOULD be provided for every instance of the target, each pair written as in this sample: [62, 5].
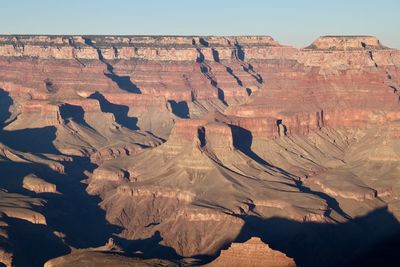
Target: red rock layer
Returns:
[337, 81]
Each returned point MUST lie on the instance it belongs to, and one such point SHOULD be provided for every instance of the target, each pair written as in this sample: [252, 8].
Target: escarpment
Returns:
[177, 146]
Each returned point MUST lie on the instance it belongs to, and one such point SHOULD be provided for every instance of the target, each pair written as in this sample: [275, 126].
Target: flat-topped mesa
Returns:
[140, 41]
[201, 132]
[252, 253]
[240, 40]
[163, 48]
[50, 112]
[346, 43]
[185, 131]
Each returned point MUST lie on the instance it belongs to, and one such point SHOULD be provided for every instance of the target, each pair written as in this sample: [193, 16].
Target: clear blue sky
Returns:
[292, 22]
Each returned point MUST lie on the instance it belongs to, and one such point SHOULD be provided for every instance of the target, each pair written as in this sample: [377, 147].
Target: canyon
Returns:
[190, 150]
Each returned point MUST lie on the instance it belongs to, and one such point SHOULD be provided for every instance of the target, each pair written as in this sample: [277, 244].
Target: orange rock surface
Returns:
[252, 253]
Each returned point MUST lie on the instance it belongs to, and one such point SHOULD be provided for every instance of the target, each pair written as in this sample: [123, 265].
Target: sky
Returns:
[290, 22]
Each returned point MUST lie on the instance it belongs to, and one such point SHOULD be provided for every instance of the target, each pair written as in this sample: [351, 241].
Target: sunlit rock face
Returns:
[177, 146]
[252, 253]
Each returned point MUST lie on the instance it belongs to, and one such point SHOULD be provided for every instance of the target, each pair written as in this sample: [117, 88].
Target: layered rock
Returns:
[21, 207]
[38, 185]
[6, 254]
[253, 252]
[346, 43]
[81, 258]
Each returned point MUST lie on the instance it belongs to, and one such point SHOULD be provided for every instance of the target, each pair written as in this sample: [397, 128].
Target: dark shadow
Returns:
[206, 71]
[249, 91]
[123, 82]
[322, 244]
[239, 52]
[75, 212]
[393, 88]
[203, 42]
[180, 109]
[330, 201]
[363, 45]
[203, 69]
[200, 57]
[5, 104]
[280, 124]
[250, 70]
[221, 95]
[120, 111]
[50, 86]
[242, 140]
[230, 71]
[33, 140]
[150, 247]
[71, 112]
[371, 56]
[34, 244]
[201, 134]
[215, 55]
[12, 174]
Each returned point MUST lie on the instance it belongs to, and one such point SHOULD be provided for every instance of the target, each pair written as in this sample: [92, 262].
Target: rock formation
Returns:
[176, 146]
[38, 185]
[102, 259]
[252, 253]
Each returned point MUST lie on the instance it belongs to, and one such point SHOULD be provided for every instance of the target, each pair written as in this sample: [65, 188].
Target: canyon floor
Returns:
[189, 151]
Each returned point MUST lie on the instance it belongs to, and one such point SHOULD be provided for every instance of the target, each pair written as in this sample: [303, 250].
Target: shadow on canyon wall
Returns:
[120, 112]
[37, 140]
[370, 240]
[124, 82]
[150, 247]
[72, 211]
[5, 103]
[180, 109]
[32, 140]
[76, 113]
[34, 244]
[243, 139]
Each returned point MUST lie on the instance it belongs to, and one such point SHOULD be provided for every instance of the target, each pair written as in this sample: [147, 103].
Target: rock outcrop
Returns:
[38, 185]
[104, 259]
[252, 253]
[346, 43]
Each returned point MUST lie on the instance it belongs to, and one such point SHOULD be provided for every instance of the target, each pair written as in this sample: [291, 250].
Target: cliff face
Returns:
[188, 140]
[192, 75]
[252, 253]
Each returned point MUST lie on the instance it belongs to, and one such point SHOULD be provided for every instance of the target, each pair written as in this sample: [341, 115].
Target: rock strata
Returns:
[38, 185]
[252, 253]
